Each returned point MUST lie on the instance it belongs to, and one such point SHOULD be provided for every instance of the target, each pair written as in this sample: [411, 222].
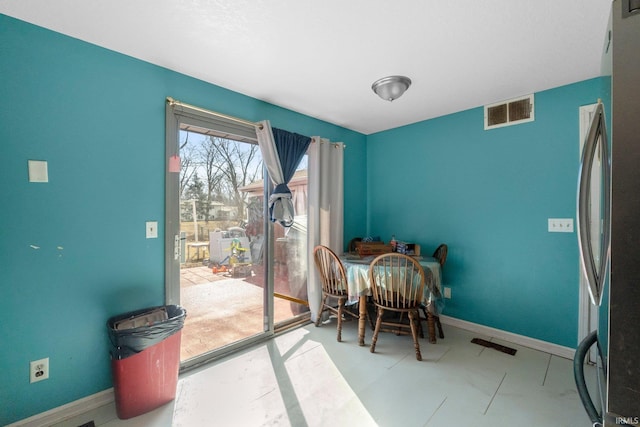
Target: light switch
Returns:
[38, 171]
[152, 229]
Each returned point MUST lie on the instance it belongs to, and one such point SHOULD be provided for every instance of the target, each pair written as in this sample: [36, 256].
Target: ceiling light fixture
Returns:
[392, 87]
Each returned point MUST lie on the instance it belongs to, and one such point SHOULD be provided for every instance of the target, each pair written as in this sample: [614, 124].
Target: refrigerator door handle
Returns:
[595, 275]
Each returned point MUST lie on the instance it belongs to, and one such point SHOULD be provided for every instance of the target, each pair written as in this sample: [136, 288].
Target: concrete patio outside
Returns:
[222, 309]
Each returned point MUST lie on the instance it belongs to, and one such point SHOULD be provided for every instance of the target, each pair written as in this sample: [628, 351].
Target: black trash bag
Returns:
[130, 341]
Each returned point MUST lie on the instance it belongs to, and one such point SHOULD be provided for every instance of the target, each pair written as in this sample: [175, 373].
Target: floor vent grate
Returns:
[498, 347]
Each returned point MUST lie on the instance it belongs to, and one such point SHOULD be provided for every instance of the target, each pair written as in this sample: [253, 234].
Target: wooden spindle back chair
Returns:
[441, 255]
[334, 284]
[397, 285]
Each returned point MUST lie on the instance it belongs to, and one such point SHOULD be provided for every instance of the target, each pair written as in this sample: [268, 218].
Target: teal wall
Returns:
[98, 118]
[488, 195]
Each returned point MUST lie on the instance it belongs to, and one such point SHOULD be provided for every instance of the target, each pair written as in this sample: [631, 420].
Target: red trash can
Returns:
[145, 358]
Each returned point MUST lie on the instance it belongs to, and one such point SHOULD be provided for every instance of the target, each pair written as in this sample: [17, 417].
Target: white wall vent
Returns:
[507, 113]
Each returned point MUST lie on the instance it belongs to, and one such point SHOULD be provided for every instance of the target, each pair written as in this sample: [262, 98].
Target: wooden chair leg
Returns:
[374, 339]
[426, 319]
[439, 325]
[418, 324]
[322, 301]
[414, 333]
[431, 326]
[340, 309]
[372, 320]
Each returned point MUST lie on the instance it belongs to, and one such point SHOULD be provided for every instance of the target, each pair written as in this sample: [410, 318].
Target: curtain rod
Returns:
[335, 144]
[173, 102]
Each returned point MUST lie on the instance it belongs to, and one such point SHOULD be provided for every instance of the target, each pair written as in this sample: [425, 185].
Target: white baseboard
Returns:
[68, 411]
[522, 340]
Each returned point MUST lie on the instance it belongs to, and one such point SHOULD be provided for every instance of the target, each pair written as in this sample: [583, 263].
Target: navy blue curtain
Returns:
[291, 148]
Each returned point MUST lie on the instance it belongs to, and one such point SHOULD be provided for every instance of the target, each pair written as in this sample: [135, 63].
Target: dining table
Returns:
[359, 288]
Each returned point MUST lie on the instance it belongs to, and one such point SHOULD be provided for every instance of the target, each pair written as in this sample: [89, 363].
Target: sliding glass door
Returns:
[224, 261]
[214, 257]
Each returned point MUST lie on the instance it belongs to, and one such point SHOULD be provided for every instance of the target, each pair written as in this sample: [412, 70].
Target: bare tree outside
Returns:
[195, 193]
[188, 165]
[213, 169]
[229, 166]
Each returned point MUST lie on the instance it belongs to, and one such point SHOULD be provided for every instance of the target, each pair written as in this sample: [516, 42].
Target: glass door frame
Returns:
[178, 114]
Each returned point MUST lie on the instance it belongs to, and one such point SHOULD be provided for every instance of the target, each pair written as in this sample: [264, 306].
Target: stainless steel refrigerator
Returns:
[610, 245]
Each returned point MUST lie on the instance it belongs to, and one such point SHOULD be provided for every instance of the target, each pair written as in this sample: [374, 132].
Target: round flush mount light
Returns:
[392, 87]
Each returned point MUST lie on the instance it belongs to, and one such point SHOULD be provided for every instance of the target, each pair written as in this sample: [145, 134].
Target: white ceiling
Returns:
[320, 57]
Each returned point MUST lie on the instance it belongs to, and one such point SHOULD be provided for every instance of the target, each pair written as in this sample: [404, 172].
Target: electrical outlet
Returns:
[447, 292]
[560, 225]
[39, 370]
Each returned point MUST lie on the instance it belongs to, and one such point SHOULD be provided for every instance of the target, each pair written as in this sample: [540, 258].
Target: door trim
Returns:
[172, 210]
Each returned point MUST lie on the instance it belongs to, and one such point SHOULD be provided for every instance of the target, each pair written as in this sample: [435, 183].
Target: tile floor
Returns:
[305, 378]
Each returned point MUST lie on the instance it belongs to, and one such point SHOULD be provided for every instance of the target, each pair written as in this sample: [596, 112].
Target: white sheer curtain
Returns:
[281, 152]
[272, 162]
[326, 208]
[269, 151]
